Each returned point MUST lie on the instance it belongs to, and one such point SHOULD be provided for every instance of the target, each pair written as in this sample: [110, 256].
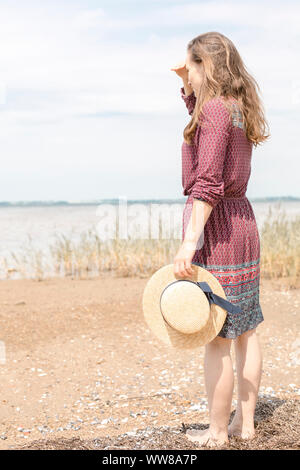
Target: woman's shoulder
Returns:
[220, 103]
[217, 109]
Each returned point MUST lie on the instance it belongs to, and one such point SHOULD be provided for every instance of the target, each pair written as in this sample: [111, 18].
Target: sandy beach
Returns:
[82, 364]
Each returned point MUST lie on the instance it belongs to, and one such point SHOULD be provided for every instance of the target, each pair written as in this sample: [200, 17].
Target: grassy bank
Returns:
[89, 256]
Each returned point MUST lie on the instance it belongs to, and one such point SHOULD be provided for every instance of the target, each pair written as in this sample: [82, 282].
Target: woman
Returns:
[227, 119]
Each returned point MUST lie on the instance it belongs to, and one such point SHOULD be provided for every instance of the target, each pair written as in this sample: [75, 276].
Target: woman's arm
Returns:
[182, 262]
[187, 92]
[187, 89]
[200, 213]
[188, 96]
[211, 152]
[208, 189]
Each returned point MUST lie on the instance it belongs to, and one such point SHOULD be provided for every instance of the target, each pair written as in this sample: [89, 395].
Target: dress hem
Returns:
[231, 335]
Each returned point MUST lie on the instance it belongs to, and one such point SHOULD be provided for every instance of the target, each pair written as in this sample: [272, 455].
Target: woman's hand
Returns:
[181, 70]
[182, 261]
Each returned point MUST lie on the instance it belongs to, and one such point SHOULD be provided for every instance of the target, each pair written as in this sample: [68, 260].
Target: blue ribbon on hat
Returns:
[216, 299]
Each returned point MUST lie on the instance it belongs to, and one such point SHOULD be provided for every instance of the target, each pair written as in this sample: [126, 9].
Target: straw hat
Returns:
[188, 312]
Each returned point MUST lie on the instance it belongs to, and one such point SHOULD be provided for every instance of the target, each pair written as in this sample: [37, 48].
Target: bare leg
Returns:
[219, 382]
[249, 369]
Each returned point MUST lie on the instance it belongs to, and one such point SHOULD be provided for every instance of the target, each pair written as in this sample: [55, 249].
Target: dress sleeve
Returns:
[189, 100]
[211, 151]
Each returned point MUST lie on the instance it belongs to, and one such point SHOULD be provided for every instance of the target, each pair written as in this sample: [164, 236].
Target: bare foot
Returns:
[240, 431]
[204, 439]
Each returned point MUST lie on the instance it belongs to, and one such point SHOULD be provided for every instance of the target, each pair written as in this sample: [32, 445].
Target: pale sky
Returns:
[89, 108]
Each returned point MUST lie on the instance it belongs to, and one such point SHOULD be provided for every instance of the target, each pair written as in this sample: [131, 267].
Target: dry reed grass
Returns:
[89, 256]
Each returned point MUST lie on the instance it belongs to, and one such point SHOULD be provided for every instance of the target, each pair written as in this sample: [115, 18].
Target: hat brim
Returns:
[154, 319]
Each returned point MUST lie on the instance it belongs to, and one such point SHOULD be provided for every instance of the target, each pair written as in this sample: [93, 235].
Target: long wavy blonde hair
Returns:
[225, 75]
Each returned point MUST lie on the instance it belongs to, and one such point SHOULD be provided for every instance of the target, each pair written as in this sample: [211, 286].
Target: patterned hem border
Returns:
[234, 335]
[226, 267]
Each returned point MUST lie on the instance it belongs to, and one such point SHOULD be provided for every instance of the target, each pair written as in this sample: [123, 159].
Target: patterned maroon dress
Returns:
[216, 169]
